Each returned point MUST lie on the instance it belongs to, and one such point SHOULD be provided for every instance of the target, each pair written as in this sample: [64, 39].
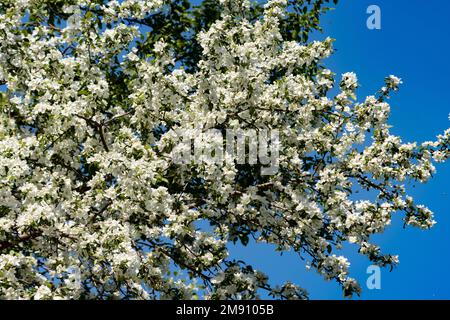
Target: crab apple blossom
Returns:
[94, 95]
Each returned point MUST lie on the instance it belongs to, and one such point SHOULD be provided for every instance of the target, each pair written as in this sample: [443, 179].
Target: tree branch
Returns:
[20, 239]
[98, 127]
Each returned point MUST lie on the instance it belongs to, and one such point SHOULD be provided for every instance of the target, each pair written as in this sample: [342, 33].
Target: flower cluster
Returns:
[92, 203]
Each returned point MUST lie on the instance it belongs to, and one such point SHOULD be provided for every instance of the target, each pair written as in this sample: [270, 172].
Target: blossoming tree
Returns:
[92, 204]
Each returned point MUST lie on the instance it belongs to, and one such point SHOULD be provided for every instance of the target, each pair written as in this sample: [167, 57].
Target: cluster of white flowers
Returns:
[91, 202]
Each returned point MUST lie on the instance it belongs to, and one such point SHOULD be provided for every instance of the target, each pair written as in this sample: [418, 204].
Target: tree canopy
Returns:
[94, 95]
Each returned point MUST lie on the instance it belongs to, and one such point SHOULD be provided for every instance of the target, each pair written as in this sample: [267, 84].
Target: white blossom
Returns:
[92, 203]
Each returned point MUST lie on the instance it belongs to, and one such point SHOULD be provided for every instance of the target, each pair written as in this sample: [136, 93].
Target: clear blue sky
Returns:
[414, 44]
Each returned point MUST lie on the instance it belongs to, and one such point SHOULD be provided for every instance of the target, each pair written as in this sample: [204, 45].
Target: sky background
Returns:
[414, 44]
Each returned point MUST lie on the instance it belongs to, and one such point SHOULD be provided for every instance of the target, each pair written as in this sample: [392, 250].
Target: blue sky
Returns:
[414, 44]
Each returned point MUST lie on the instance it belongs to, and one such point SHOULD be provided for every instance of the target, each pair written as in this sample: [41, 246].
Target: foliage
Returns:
[92, 205]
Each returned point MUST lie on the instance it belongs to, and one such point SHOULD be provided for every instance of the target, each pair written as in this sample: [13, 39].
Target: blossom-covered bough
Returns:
[92, 205]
